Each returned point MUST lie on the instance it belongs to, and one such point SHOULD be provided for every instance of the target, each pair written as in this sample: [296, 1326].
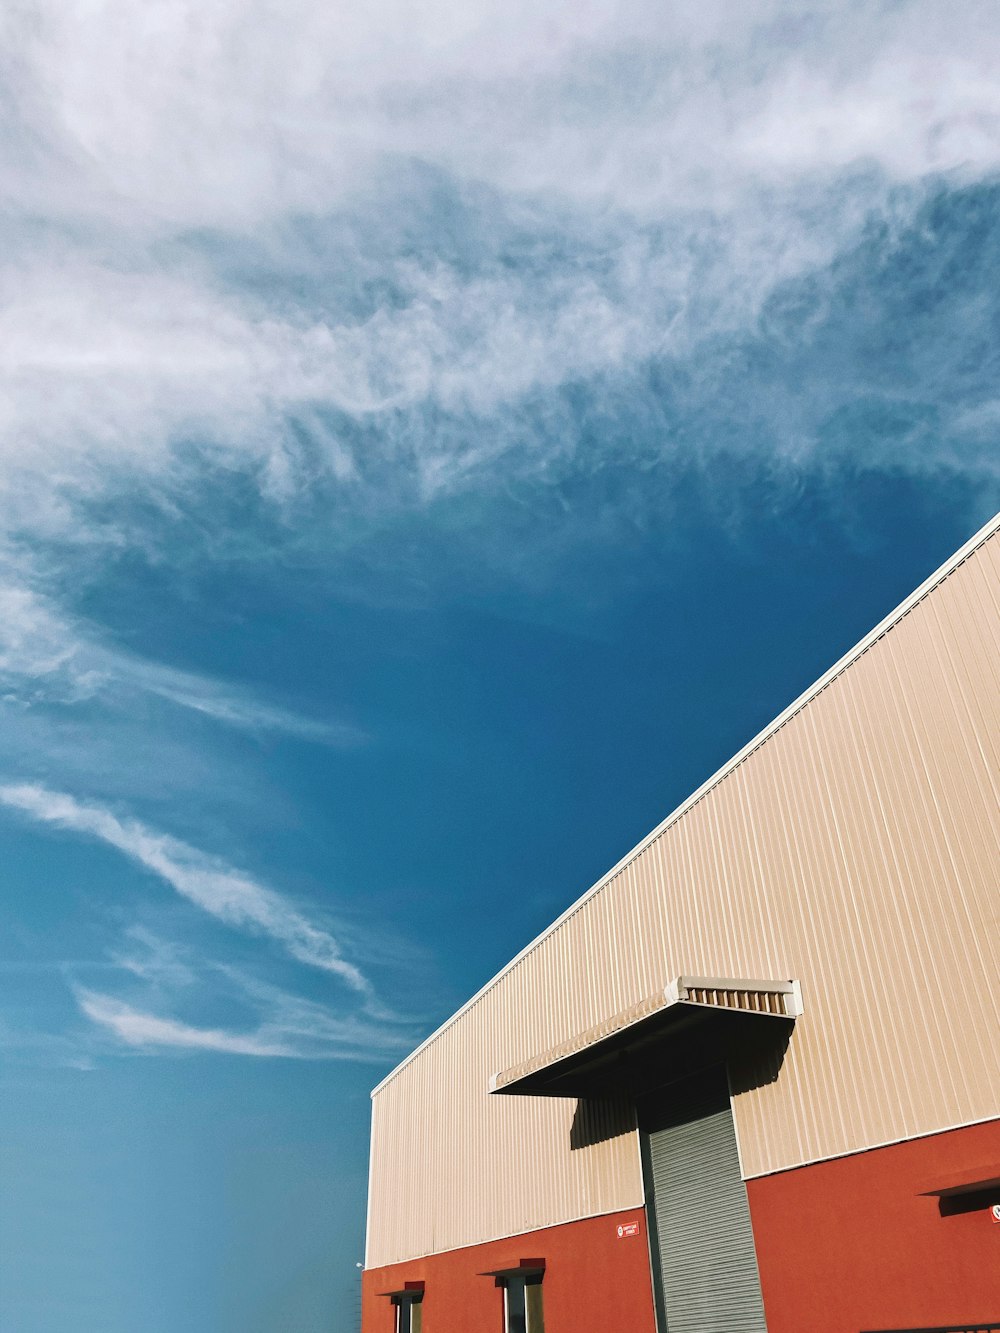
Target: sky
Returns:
[433, 439]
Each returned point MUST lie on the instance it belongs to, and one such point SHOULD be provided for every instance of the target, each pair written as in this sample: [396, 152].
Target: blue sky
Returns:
[433, 441]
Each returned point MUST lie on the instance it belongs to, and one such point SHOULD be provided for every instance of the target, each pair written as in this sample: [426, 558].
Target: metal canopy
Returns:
[523, 1268]
[692, 1023]
[971, 1180]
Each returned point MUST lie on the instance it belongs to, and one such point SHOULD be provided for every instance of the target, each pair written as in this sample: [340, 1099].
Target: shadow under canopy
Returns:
[695, 1023]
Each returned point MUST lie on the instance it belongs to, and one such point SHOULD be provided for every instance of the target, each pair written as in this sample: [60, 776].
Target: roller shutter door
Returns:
[701, 1242]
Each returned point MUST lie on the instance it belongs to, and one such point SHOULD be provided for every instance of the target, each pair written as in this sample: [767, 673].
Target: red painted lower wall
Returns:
[842, 1246]
[854, 1244]
[594, 1279]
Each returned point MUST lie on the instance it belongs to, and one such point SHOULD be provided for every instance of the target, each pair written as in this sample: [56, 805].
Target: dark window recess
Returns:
[408, 1311]
[522, 1300]
[522, 1295]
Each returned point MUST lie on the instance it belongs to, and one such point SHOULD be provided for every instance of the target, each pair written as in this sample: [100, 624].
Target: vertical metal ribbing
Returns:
[856, 848]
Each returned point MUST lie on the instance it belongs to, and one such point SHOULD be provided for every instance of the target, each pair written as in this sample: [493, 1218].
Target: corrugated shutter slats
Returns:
[707, 1262]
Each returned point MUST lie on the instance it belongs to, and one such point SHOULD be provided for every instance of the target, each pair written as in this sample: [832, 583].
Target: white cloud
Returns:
[207, 882]
[47, 656]
[34, 643]
[639, 180]
[166, 988]
[727, 124]
[311, 1026]
[312, 1035]
[227, 703]
[280, 1023]
[137, 1028]
[154, 960]
[226, 110]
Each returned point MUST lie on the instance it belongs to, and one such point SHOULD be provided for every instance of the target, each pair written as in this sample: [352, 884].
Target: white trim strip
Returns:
[639, 1207]
[805, 1162]
[883, 627]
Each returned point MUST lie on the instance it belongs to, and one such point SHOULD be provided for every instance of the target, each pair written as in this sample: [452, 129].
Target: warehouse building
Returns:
[751, 1079]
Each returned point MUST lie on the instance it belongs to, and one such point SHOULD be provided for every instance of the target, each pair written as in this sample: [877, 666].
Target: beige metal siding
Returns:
[856, 848]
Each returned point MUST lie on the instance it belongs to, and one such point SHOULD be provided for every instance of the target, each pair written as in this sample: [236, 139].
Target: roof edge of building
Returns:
[939, 575]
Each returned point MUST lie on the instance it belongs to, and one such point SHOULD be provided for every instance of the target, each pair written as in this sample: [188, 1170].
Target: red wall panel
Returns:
[853, 1243]
[594, 1279]
[842, 1246]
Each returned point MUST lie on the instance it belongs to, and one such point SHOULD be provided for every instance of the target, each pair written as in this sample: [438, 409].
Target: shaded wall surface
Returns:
[855, 1244]
[854, 846]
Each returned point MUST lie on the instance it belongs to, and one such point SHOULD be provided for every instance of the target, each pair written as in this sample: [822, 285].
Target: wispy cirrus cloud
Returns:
[343, 251]
[206, 881]
[295, 1031]
[279, 1022]
[271, 281]
[154, 961]
[159, 995]
[517, 94]
[46, 656]
[136, 1028]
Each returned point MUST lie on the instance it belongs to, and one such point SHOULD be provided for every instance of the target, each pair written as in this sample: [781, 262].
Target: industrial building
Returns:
[751, 1079]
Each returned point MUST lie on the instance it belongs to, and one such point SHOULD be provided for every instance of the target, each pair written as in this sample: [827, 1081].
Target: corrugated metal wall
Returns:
[856, 848]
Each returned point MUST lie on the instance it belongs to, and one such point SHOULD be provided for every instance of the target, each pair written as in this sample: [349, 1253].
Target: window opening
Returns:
[408, 1308]
[522, 1303]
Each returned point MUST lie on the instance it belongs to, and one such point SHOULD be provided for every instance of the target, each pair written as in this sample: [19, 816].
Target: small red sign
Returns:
[627, 1229]
[995, 1212]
